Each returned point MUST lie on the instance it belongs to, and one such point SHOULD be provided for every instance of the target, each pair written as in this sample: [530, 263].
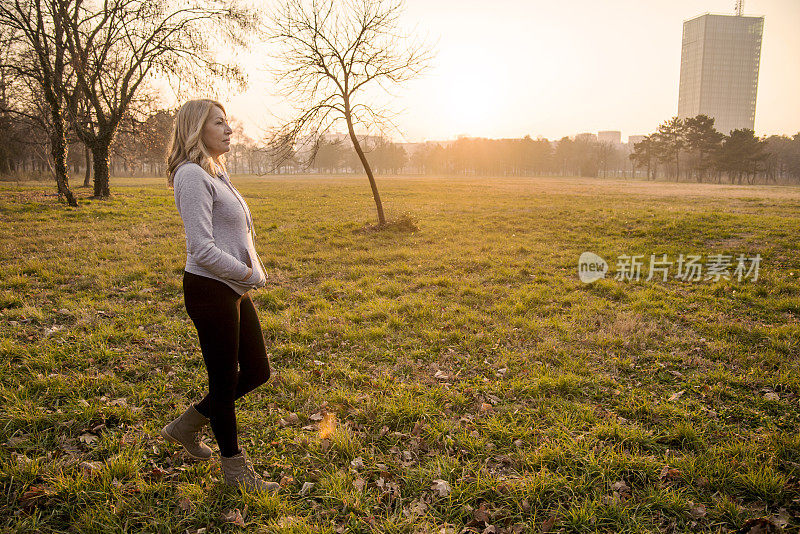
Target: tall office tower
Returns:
[719, 69]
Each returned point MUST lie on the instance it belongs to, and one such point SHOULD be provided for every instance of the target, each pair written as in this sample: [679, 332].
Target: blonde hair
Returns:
[186, 141]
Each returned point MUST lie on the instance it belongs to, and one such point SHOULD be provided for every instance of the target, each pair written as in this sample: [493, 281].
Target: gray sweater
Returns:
[219, 229]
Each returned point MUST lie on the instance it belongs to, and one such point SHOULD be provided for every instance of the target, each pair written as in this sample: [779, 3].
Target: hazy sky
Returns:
[509, 68]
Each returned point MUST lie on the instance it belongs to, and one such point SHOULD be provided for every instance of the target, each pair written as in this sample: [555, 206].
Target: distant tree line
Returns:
[693, 149]
[481, 157]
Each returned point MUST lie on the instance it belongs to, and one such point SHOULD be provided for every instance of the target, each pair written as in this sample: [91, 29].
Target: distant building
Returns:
[720, 57]
[633, 139]
[613, 137]
[586, 137]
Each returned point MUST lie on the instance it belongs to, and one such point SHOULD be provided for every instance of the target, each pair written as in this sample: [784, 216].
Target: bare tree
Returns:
[332, 54]
[116, 46]
[35, 51]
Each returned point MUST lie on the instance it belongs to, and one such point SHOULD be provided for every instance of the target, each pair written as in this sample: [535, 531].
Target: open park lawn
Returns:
[474, 381]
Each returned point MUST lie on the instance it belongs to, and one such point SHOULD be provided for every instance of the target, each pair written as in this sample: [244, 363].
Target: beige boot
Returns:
[238, 471]
[185, 430]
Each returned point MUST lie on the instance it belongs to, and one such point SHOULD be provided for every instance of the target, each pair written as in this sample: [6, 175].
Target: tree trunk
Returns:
[100, 167]
[367, 169]
[87, 178]
[58, 145]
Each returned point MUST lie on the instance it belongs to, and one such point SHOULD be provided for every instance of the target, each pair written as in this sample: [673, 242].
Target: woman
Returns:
[222, 266]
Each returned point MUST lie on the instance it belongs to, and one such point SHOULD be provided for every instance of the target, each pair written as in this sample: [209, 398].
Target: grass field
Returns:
[466, 351]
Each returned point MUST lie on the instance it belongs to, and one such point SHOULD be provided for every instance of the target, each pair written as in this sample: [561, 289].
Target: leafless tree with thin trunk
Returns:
[332, 57]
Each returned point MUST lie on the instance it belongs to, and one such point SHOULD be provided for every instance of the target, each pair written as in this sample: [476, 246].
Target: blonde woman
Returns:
[222, 266]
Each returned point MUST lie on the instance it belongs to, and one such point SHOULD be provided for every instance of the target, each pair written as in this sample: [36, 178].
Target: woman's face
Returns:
[216, 133]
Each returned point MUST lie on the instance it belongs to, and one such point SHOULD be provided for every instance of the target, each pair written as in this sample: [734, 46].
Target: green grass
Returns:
[550, 393]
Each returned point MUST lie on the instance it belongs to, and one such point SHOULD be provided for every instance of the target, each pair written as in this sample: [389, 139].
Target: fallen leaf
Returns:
[441, 487]
[417, 507]
[417, 429]
[698, 511]
[677, 395]
[482, 513]
[357, 463]
[32, 494]
[782, 518]
[759, 525]
[233, 516]
[621, 487]
[90, 468]
[306, 488]
[327, 426]
[669, 473]
[549, 523]
[88, 439]
[185, 504]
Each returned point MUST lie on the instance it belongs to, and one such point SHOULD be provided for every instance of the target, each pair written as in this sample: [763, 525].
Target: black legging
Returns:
[230, 333]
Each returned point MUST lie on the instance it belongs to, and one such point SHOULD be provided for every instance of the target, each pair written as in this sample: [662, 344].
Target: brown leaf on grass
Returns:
[621, 486]
[88, 439]
[417, 429]
[481, 513]
[676, 395]
[233, 516]
[289, 420]
[185, 504]
[669, 473]
[549, 523]
[359, 484]
[485, 407]
[759, 525]
[357, 463]
[90, 468]
[16, 441]
[417, 507]
[155, 473]
[441, 487]
[32, 495]
[698, 511]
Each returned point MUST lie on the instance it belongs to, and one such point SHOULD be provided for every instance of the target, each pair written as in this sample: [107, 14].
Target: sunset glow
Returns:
[512, 68]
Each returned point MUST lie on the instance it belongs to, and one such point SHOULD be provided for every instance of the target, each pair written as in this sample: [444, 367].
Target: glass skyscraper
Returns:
[719, 69]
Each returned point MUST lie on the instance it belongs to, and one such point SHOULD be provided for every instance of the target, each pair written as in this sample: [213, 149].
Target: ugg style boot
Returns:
[238, 471]
[185, 430]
